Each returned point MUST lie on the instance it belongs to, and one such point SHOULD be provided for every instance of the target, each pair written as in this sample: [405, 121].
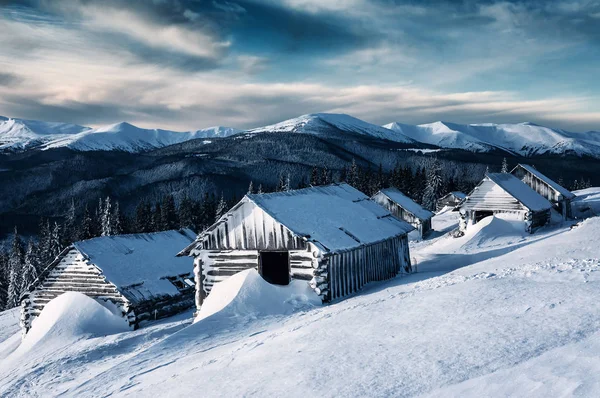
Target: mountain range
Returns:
[522, 139]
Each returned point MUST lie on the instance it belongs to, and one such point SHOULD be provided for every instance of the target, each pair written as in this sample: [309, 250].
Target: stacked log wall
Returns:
[72, 273]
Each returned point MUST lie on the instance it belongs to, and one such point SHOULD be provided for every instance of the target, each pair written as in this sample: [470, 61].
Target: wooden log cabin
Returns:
[559, 196]
[137, 276]
[451, 199]
[405, 209]
[333, 237]
[504, 195]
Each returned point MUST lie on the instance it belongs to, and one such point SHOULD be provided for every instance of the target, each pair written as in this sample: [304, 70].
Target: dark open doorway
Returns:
[480, 215]
[275, 267]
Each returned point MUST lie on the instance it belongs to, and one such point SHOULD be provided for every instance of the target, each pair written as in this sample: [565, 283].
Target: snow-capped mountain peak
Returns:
[525, 139]
[18, 134]
[327, 123]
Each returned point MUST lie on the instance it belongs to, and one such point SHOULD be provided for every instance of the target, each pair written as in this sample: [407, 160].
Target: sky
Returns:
[190, 64]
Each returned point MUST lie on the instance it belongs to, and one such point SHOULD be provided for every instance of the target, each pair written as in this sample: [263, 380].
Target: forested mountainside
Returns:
[43, 183]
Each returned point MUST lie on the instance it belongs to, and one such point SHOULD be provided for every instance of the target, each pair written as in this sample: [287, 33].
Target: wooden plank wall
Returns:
[247, 227]
[349, 271]
[302, 264]
[218, 265]
[537, 185]
[72, 274]
[400, 213]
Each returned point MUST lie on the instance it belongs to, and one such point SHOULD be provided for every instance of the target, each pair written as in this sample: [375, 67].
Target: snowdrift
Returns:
[493, 231]
[587, 203]
[247, 294]
[70, 317]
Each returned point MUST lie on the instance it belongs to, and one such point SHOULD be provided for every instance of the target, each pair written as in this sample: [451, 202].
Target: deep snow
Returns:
[496, 312]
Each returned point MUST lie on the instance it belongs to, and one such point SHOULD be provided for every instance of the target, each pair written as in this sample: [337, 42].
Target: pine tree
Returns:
[326, 178]
[168, 214]
[353, 177]
[260, 189]
[116, 221]
[4, 272]
[55, 242]
[86, 229]
[106, 217]
[250, 188]
[504, 168]
[156, 219]
[31, 266]
[16, 261]
[44, 240]
[315, 178]
[186, 213]
[288, 183]
[434, 184]
[221, 208]
[143, 217]
[70, 225]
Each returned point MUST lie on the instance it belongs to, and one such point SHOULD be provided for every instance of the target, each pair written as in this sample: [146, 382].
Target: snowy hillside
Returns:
[524, 139]
[493, 306]
[327, 123]
[19, 134]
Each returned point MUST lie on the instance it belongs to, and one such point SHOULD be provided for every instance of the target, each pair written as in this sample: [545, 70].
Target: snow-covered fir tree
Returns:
[86, 227]
[31, 266]
[504, 168]
[221, 208]
[55, 246]
[251, 188]
[315, 178]
[106, 215]
[434, 185]
[116, 220]
[4, 272]
[353, 177]
[187, 216]
[16, 262]
[260, 189]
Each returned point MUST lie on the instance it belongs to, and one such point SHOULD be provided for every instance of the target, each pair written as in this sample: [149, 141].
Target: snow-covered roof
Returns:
[338, 217]
[407, 203]
[520, 191]
[145, 259]
[558, 188]
[458, 194]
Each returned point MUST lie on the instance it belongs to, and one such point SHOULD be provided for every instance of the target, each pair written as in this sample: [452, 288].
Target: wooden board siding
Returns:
[72, 273]
[218, 265]
[247, 227]
[349, 271]
[562, 204]
[423, 226]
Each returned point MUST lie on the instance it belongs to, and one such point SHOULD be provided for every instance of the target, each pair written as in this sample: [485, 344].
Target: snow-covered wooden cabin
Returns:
[404, 208]
[505, 195]
[559, 196]
[334, 237]
[137, 276]
[451, 199]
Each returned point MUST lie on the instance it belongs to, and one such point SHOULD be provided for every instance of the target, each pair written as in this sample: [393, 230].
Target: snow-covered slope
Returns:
[18, 134]
[327, 123]
[491, 306]
[526, 139]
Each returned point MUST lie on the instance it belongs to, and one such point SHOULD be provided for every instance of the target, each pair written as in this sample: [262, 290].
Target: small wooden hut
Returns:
[504, 194]
[334, 237]
[559, 196]
[138, 276]
[451, 199]
[405, 209]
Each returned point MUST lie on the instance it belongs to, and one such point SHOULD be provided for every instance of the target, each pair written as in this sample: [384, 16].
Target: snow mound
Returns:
[70, 317]
[493, 231]
[247, 294]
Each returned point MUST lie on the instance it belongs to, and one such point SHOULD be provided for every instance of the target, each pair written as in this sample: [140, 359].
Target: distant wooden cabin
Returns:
[559, 196]
[333, 237]
[505, 195]
[138, 276]
[451, 199]
[405, 209]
